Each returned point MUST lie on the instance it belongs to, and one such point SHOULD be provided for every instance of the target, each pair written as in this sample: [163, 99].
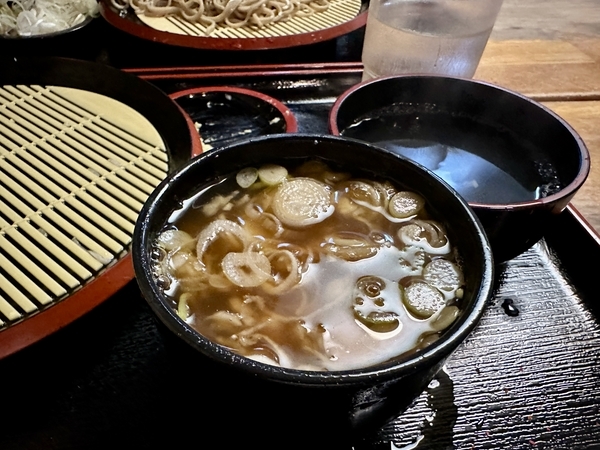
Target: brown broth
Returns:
[325, 319]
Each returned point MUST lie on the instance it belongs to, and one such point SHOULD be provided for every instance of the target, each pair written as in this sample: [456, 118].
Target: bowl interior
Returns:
[359, 158]
[224, 114]
[495, 147]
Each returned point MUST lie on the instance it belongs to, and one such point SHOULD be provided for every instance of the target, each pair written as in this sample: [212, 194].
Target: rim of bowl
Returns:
[567, 191]
[448, 342]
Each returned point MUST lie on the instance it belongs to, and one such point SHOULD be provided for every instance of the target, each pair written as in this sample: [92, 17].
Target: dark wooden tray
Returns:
[526, 381]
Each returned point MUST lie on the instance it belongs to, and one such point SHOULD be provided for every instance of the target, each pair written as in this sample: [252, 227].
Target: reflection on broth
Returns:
[484, 164]
[475, 178]
[310, 269]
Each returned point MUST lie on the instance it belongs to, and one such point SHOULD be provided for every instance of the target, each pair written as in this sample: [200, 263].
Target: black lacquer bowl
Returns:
[516, 162]
[269, 403]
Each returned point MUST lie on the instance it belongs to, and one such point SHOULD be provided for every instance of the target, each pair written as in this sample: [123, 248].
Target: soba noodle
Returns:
[310, 269]
[232, 13]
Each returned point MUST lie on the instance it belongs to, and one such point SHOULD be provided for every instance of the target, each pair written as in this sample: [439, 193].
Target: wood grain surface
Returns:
[547, 19]
[584, 116]
[549, 50]
[544, 70]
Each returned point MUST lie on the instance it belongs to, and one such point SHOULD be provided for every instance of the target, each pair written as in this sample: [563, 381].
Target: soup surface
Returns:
[484, 164]
[310, 268]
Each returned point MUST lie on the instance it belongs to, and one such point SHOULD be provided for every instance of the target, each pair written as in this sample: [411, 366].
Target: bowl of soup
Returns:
[517, 163]
[300, 271]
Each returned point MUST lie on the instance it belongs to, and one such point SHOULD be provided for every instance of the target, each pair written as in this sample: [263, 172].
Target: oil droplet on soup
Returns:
[317, 270]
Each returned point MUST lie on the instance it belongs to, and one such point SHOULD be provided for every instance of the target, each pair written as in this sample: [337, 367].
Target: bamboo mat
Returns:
[75, 170]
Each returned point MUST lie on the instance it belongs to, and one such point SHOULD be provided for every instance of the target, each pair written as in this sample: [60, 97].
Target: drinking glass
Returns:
[445, 37]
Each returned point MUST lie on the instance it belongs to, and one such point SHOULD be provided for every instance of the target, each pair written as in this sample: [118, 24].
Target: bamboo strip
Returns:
[20, 227]
[47, 229]
[37, 254]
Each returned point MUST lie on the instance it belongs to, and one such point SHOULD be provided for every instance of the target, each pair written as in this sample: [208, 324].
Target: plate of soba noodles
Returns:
[236, 24]
[83, 144]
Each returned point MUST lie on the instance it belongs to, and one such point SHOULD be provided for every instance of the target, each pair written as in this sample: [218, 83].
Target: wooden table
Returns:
[550, 51]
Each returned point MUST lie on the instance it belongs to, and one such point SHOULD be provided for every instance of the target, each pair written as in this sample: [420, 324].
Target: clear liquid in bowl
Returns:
[484, 164]
[475, 178]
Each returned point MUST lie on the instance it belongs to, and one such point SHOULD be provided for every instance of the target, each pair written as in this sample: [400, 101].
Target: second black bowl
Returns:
[515, 161]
